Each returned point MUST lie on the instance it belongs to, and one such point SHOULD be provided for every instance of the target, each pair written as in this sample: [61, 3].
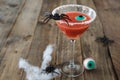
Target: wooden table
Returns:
[22, 35]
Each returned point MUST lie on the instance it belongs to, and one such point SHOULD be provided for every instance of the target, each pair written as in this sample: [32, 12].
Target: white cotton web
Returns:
[36, 73]
[47, 56]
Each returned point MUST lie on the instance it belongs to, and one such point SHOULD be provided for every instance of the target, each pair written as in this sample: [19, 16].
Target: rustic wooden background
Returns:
[22, 35]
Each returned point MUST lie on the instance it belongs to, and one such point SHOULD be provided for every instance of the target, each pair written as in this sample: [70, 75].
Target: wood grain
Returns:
[45, 34]
[109, 15]
[23, 35]
[19, 40]
[8, 16]
[97, 51]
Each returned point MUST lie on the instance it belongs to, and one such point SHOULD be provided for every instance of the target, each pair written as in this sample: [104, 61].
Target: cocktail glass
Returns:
[80, 18]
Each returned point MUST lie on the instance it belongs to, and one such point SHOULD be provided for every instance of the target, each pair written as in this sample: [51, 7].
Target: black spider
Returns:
[51, 69]
[105, 40]
[56, 16]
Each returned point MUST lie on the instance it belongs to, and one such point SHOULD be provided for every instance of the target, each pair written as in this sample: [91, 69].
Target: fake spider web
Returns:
[37, 73]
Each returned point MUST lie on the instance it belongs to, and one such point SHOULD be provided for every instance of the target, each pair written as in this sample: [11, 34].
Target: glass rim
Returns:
[75, 5]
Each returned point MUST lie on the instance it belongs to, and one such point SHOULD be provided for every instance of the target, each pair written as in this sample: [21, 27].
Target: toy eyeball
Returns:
[89, 64]
[80, 18]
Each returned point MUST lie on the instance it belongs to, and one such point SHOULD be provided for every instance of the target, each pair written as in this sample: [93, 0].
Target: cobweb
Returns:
[37, 73]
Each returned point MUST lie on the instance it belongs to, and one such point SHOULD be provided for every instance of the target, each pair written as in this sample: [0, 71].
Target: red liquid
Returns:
[73, 31]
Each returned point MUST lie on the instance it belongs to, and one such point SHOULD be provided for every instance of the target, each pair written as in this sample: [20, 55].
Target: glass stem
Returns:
[72, 64]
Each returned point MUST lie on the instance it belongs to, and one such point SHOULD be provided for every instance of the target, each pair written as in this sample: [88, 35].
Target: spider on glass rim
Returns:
[56, 16]
[51, 69]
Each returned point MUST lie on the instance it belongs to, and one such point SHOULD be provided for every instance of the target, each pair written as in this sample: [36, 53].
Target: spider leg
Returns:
[69, 19]
[56, 72]
[65, 16]
[111, 41]
[43, 71]
[46, 20]
[66, 21]
[52, 73]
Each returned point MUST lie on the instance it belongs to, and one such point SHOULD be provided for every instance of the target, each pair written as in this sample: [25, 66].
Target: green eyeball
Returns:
[89, 64]
[80, 18]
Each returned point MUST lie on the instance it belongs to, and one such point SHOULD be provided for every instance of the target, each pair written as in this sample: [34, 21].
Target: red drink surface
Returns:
[73, 31]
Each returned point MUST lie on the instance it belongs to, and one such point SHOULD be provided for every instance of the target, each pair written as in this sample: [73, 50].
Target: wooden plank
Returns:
[91, 48]
[45, 34]
[8, 16]
[109, 12]
[19, 40]
[9, 11]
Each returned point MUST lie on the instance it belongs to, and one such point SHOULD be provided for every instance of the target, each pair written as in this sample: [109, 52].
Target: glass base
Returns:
[72, 70]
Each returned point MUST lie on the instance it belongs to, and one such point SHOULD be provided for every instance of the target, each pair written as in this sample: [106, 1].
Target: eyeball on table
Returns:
[89, 64]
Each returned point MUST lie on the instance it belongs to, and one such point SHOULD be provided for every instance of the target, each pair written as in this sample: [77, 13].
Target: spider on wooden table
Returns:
[51, 69]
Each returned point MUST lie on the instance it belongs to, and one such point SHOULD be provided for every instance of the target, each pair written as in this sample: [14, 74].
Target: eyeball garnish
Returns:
[80, 18]
[89, 64]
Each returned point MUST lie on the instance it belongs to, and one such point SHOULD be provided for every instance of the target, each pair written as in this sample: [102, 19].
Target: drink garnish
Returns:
[80, 18]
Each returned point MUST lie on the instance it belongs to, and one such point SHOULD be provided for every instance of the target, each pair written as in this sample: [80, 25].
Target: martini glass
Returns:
[80, 18]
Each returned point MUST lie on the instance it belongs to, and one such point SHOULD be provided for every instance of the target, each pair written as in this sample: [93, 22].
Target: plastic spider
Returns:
[56, 16]
[105, 40]
[51, 69]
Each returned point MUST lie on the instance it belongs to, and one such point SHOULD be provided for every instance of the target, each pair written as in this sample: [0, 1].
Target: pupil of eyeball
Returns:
[91, 65]
[80, 18]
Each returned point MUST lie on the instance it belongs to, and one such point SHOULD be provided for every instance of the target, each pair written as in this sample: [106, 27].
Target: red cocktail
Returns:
[75, 30]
